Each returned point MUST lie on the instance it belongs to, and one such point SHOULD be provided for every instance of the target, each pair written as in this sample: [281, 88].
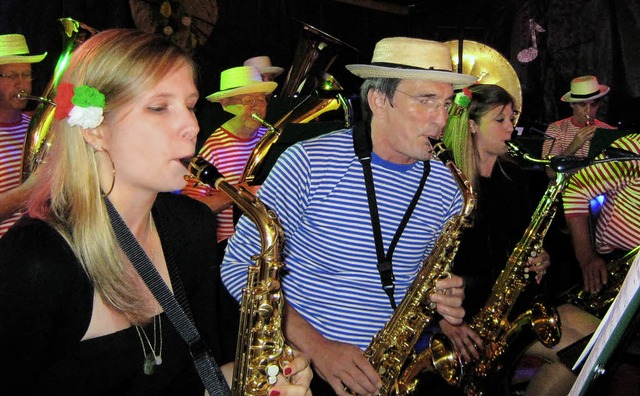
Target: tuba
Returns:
[307, 78]
[392, 350]
[261, 351]
[488, 65]
[39, 136]
[315, 53]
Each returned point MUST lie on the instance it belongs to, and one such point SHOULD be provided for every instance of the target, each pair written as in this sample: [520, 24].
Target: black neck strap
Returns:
[363, 147]
[209, 372]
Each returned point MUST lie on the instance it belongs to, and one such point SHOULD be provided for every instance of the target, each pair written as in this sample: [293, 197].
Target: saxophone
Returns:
[491, 323]
[39, 138]
[261, 350]
[393, 347]
[597, 304]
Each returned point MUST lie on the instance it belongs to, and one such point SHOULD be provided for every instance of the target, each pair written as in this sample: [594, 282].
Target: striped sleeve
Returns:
[12, 139]
[619, 181]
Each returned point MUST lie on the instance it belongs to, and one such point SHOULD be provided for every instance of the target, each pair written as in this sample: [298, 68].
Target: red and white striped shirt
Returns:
[560, 134]
[12, 138]
[229, 154]
[618, 224]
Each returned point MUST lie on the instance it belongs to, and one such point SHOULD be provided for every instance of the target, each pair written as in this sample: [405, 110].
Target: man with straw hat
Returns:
[15, 77]
[267, 70]
[342, 198]
[572, 135]
[242, 93]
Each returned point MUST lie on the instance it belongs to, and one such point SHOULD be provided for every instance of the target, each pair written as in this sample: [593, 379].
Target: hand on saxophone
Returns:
[295, 379]
[466, 341]
[539, 265]
[345, 368]
[448, 298]
[594, 272]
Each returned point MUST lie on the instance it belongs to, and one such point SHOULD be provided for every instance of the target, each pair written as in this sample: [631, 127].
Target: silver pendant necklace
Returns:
[152, 358]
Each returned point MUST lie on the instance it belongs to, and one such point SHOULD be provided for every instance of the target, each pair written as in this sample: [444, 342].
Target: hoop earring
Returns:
[113, 173]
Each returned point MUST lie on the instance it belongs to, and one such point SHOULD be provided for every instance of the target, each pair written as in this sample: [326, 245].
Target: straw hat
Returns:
[410, 58]
[13, 49]
[263, 63]
[583, 89]
[241, 80]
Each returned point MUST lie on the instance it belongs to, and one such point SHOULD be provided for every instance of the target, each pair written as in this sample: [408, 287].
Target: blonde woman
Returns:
[76, 316]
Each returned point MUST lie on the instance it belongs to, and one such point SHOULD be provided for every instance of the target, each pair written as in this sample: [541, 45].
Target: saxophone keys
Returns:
[272, 372]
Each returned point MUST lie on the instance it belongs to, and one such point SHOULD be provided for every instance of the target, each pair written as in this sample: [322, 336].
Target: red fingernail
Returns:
[274, 393]
[288, 371]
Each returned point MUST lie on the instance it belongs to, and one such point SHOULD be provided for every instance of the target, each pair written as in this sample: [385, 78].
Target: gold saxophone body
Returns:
[393, 347]
[597, 304]
[491, 323]
[39, 137]
[261, 350]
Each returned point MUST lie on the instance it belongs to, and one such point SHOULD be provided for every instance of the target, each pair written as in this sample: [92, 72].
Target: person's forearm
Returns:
[12, 200]
[217, 203]
[581, 237]
[300, 332]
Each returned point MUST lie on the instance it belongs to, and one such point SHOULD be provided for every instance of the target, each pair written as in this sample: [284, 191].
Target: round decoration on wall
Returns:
[188, 23]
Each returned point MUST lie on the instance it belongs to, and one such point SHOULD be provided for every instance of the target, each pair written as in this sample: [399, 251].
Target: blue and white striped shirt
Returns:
[317, 189]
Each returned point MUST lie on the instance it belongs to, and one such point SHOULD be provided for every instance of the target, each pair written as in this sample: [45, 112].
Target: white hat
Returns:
[14, 49]
[583, 89]
[241, 80]
[263, 63]
[410, 58]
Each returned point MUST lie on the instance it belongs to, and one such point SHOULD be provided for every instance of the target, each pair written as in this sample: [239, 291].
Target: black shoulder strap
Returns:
[362, 143]
[209, 372]
[363, 146]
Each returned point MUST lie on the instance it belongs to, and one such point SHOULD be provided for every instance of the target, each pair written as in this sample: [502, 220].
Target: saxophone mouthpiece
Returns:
[262, 121]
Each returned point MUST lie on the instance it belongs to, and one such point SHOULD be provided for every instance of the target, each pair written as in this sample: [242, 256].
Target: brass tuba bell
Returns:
[315, 53]
[488, 65]
[39, 138]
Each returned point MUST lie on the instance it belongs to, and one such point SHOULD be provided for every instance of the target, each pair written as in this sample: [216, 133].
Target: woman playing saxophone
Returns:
[477, 137]
[78, 313]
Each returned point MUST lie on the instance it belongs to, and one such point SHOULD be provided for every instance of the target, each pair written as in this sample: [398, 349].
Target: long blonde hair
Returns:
[122, 64]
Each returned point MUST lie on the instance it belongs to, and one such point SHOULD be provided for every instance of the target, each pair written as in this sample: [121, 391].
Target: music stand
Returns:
[603, 138]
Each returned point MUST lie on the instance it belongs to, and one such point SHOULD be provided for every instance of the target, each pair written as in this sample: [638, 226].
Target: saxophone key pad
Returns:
[272, 373]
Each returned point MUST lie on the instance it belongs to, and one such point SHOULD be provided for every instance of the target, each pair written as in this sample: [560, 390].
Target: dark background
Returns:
[599, 37]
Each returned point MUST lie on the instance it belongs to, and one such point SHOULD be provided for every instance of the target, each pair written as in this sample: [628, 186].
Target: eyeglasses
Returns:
[252, 100]
[430, 103]
[15, 76]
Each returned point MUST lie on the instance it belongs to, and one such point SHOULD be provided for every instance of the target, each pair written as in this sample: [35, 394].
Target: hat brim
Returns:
[275, 70]
[6, 60]
[265, 87]
[567, 97]
[373, 71]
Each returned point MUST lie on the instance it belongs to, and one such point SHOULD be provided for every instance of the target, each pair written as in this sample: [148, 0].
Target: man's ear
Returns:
[377, 101]
[94, 137]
